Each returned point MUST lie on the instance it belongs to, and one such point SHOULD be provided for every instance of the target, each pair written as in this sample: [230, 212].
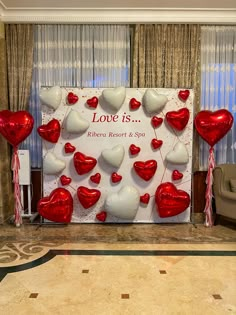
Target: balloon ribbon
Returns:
[15, 165]
[208, 195]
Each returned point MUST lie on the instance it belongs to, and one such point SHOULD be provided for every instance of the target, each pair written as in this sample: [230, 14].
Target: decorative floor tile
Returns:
[123, 272]
[33, 295]
[42, 270]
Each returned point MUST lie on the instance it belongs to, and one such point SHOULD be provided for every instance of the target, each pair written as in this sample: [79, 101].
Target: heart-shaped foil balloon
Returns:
[57, 207]
[145, 198]
[156, 121]
[93, 102]
[51, 131]
[83, 164]
[154, 102]
[124, 204]
[72, 98]
[156, 144]
[69, 148]
[95, 178]
[101, 216]
[52, 165]
[65, 180]
[213, 126]
[133, 149]
[179, 154]
[134, 104]
[170, 201]
[15, 127]
[88, 197]
[114, 98]
[115, 178]
[51, 97]
[176, 175]
[75, 123]
[145, 170]
[183, 95]
[114, 156]
[178, 119]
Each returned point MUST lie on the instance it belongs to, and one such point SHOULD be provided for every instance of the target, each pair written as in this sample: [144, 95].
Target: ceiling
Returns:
[13, 4]
[122, 11]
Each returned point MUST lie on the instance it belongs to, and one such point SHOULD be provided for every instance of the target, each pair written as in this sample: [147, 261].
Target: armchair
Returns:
[225, 198]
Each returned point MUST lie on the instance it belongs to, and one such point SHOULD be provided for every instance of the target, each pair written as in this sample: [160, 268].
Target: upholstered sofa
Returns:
[224, 190]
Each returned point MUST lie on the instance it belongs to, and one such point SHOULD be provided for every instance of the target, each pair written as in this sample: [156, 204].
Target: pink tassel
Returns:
[208, 195]
[15, 164]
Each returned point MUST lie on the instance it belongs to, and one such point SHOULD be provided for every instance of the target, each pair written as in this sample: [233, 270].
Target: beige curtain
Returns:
[16, 63]
[168, 56]
[6, 192]
[19, 41]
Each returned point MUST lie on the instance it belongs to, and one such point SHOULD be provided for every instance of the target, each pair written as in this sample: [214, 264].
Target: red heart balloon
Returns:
[101, 216]
[50, 131]
[170, 201]
[134, 104]
[83, 164]
[145, 170]
[96, 178]
[88, 197]
[115, 178]
[69, 148]
[65, 180]
[134, 149]
[213, 126]
[183, 95]
[176, 175]
[178, 119]
[93, 102]
[72, 98]
[58, 207]
[156, 144]
[156, 121]
[15, 127]
[145, 198]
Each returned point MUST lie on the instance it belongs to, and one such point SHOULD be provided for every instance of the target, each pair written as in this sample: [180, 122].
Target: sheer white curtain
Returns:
[218, 85]
[76, 56]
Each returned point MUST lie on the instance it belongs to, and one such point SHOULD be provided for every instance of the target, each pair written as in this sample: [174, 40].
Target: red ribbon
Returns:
[208, 195]
[15, 165]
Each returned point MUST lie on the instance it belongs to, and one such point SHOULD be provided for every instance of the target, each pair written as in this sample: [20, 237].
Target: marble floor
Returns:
[118, 269]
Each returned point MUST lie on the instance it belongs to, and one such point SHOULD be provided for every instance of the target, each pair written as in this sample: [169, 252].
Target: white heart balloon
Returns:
[51, 97]
[75, 123]
[153, 102]
[52, 165]
[114, 97]
[179, 154]
[114, 156]
[124, 204]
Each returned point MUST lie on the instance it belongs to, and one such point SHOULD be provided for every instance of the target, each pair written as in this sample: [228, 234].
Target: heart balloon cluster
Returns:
[124, 203]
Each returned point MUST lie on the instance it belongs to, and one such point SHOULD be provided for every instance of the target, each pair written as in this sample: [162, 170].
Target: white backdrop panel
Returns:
[130, 127]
